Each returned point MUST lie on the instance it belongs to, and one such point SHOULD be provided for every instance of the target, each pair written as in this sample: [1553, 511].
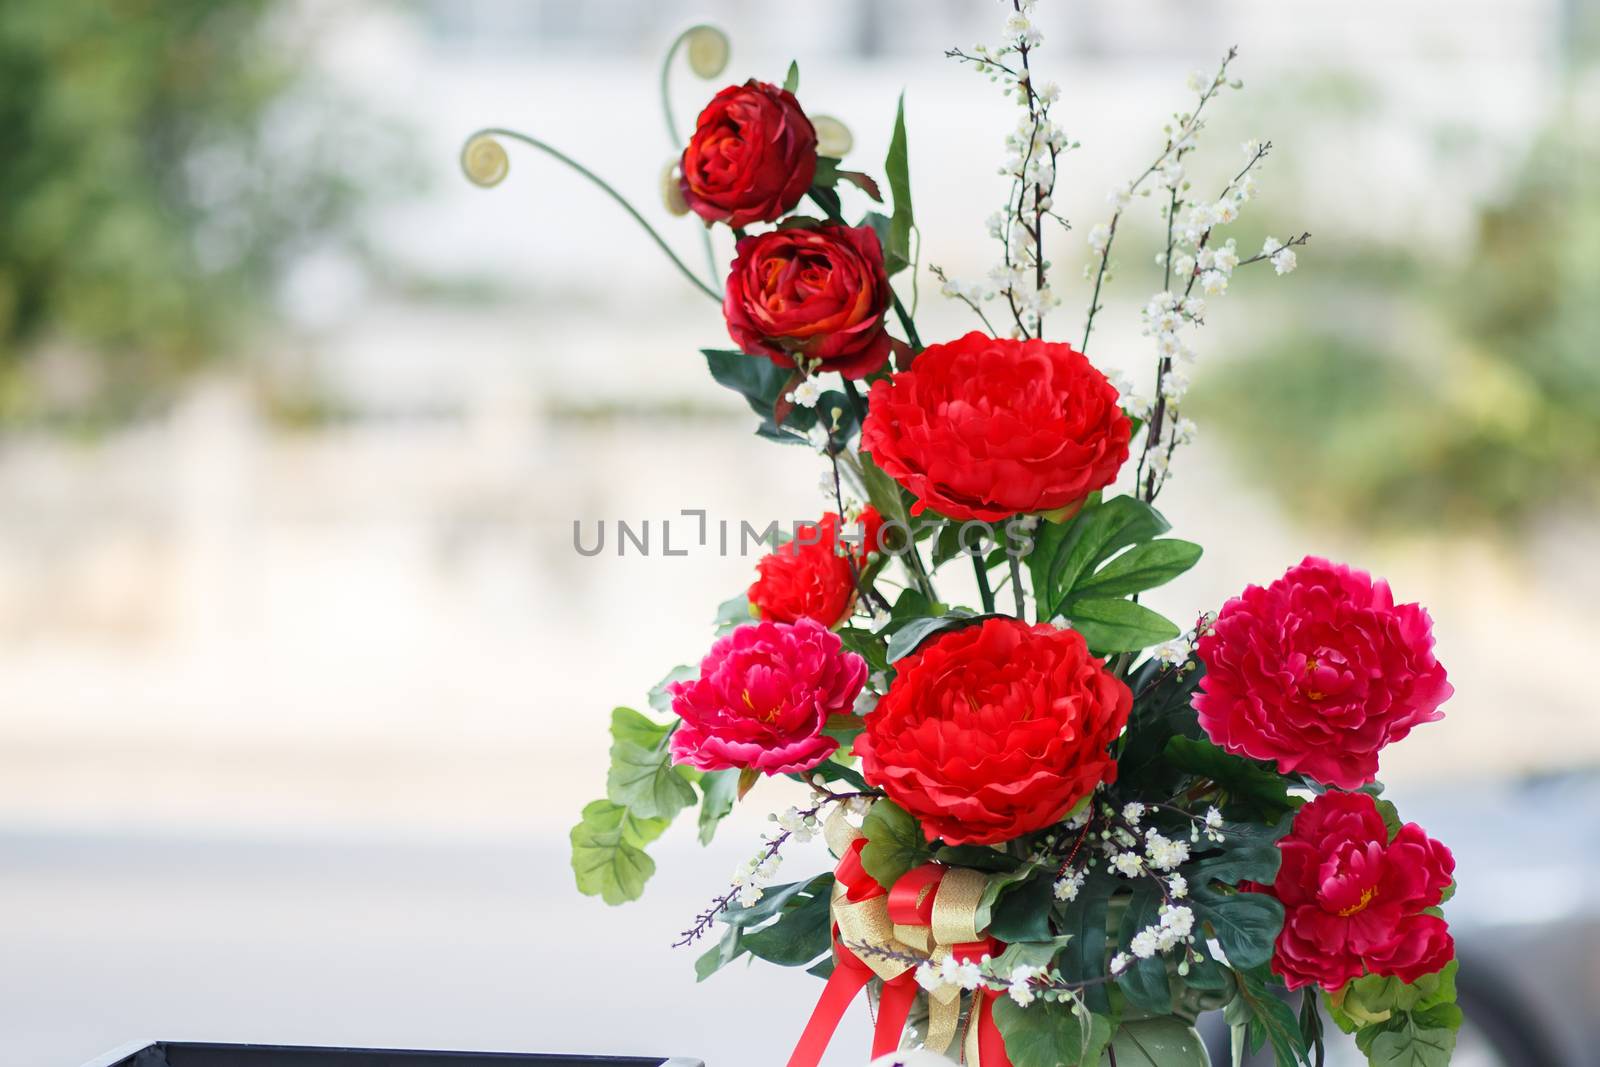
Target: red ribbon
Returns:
[911, 904]
[849, 977]
[991, 1044]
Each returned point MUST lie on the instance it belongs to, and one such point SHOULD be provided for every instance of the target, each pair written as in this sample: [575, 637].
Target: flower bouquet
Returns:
[1061, 825]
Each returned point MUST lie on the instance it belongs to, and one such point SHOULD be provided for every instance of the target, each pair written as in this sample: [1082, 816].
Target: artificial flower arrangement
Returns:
[1061, 827]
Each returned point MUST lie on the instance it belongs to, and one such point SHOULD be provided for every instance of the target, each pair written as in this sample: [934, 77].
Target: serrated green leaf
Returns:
[1412, 1046]
[630, 727]
[718, 790]
[1029, 954]
[897, 167]
[642, 777]
[1051, 1034]
[1117, 625]
[1142, 567]
[894, 842]
[608, 858]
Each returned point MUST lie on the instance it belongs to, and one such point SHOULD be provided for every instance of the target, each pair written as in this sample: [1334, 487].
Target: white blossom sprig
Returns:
[1180, 140]
[751, 876]
[1033, 151]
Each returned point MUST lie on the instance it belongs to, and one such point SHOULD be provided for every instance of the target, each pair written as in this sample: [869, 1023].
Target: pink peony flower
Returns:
[764, 694]
[1354, 900]
[1317, 672]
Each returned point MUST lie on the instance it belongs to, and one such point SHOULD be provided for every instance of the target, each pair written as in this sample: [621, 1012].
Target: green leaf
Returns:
[791, 81]
[1118, 625]
[1252, 789]
[762, 383]
[1070, 551]
[629, 727]
[1144, 982]
[866, 644]
[1161, 711]
[642, 777]
[1029, 954]
[801, 932]
[1375, 998]
[905, 640]
[1022, 912]
[894, 842]
[835, 769]
[1412, 1046]
[718, 790]
[1141, 567]
[723, 953]
[1311, 1023]
[978, 857]
[770, 904]
[732, 613]
[1266, 1018]
[1246, 924]
[608, 858]
[1051, 1034]
[897, 167]
[1084, 920]
[1252, 861]
[1158, 1041]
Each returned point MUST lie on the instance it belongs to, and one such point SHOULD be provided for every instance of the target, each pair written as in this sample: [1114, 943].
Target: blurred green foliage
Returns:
[152, 184]
[1418, 395]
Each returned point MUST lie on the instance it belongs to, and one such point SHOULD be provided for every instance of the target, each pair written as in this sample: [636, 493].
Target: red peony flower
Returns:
[1354, 899]
[819, 293]
[751, 158]
[810, 577]
[994, 730]
[764, 694]
[984, 428]
[1317, 672]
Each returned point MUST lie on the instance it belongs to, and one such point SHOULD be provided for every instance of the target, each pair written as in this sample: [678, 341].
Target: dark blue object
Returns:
[201, 1054]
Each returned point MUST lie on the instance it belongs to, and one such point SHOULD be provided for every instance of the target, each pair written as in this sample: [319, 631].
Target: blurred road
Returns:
[400, 944]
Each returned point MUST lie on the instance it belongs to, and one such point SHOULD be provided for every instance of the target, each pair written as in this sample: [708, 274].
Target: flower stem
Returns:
[605, 187]
[981, 570]
[675, 138]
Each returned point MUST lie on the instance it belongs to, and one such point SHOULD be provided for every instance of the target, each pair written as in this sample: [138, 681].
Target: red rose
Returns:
[751, 158]
[994, 730]
[810, 577]
[984, 428]
[818, 293]
[1317, 672]
[1354, 899]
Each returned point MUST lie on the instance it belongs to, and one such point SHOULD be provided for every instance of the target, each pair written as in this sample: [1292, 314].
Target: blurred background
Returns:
[301, 681]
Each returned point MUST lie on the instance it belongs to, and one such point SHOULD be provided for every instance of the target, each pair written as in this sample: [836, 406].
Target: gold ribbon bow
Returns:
[952, 921]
